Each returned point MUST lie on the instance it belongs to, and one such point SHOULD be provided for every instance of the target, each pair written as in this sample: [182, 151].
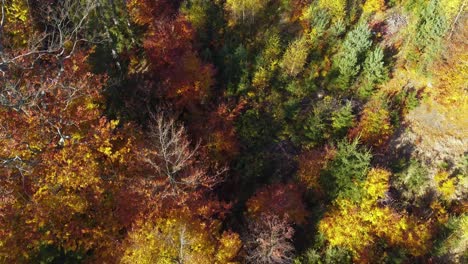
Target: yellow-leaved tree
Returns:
[181, 238]
[244, 10]
[337, 8]
[358, 227]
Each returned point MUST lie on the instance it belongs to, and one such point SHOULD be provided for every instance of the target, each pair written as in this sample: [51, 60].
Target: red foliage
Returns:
[180, 75]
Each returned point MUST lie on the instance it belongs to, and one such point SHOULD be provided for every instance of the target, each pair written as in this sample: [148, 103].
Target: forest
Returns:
[233, 131]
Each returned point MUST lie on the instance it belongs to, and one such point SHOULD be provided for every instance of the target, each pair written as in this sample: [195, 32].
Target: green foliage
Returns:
[374, 71]
[49, 254]
[413, 182]
[267, 62]
[338, 28]
[196, 12]
[332, 255]
[430, 30]
[112, 20]
[320, 20]
[235, 68]
[342, 119]
[315, 126]
[282, 88]
[431, 25]
[451, 244]
[346, 171]
[327, 119]
[256, 129]
[348, 60]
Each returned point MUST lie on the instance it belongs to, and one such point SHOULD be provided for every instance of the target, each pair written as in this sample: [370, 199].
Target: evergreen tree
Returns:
[348, 60]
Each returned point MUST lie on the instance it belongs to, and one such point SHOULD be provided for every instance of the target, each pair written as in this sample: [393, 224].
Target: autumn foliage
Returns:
[236, 131]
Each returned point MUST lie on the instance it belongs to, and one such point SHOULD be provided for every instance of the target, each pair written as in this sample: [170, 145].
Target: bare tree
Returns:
[269, 240]
[64, 26]
[171, 156]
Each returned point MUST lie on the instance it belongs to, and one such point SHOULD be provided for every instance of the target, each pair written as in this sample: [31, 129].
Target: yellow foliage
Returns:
[376, 184]
[371, 6]
[17, 21]
[452, 7]
[244, 9]
[374, 125]
[182, 239]
[295, 56]
[261, 78]
[357, 227]
[230, 245]
[337, 8]
[445, 186]
[440, 214]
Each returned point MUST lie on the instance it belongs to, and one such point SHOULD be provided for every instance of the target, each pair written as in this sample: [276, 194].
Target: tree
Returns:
[180, 238]
[348, 168]
[244, 9]
[374, 128]
[16, 21]
[295, 56]
[373, 72]
[311, 164]
[173, 69]
[269, 241]
[451, 246]
[356, 226]
[61, 161]
[348, 60]
[342, 119]
[371, 6]
[173, 166]
[337, 8]
[413, 183]
[280, 200]
[267, 62]
[432, 26]
[62, 28]
[316, 125]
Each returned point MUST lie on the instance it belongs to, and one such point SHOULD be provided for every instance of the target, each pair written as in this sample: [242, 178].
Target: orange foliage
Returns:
[311, 164]
[374, 127]
[223, 139]
[63, 162]
[284, 200]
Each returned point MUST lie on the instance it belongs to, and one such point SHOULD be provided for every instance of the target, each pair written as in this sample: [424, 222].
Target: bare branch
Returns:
[268, 241]
[172, 157]
[64, 27]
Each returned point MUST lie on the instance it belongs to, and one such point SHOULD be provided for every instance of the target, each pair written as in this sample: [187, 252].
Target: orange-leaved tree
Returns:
[174, 67]
[61, 162]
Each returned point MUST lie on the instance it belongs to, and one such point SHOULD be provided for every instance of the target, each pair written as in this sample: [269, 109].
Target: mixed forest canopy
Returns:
[233, 131]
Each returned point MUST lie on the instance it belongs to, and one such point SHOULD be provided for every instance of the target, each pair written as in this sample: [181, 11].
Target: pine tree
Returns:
[348, 59]
[374, 71]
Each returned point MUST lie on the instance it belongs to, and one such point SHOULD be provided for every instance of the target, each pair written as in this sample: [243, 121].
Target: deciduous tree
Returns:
[269, 240]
